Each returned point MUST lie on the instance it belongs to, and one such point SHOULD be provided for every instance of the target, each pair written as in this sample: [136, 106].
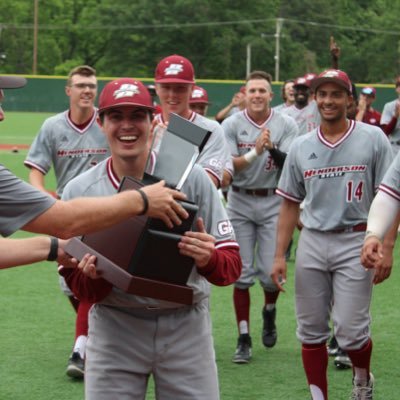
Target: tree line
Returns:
[122, 37]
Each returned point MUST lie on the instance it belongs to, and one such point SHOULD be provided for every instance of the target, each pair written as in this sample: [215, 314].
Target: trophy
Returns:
[141, 255]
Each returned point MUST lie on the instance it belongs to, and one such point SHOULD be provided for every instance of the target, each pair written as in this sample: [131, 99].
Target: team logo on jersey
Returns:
[173, 69]
[126, 90]
[313, 156]
[225, 227]
[243, 133]
[333, 172]
[197, 94]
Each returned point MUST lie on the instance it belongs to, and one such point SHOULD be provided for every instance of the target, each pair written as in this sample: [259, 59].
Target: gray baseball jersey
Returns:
[387, 115]
[101, 181]
[69, 149]
[391, 181]
[215, 154]
[336, 181]
[307, 118]
[241, 133]
[19, 202]
[254, 217]
[280, 107]
[149, 336]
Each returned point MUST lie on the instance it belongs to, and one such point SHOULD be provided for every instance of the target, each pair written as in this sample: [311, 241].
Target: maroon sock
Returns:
[361, 358]
[315, 363]
[270, 297]
[82, 319]
[241, 301]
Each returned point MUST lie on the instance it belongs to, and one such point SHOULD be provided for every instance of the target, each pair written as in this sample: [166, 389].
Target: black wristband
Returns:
[53, 253]
[145, 202]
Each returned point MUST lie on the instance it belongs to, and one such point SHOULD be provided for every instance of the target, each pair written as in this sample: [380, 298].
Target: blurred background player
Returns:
[71, 142]
[175, 80]
[304, 110]
[390, 119]
[287, 94]
[238, 103]
[365, 112]
[153, 94]
[259, 139]
[199, 101]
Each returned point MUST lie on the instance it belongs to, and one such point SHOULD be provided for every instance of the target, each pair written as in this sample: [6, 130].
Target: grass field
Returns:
[37, 327]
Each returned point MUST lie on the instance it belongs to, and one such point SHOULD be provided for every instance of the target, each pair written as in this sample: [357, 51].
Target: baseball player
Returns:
[133, 337]
[199, 101]
[259, 139]
[287, 94]
[335, 170]
[238, 103]
[71, 142]
[175, 81]
[390, 122]
[304, 110]
[365, 112]
[24, 207]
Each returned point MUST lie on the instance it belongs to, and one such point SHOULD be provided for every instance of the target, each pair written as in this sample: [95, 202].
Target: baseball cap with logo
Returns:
[369, 91]
[125, 92]
[301, 81]
[174, 69]
[332, 75]
[12, 82]
[199, 96]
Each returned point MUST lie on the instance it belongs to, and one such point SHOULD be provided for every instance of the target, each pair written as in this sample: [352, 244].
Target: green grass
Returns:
[37, 331]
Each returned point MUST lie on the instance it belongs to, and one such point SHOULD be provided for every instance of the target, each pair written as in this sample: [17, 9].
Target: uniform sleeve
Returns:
[391, 181]
[39, 155]
[230, 136]
[387, 114]
[225, 265]
[290, 133]
[83, 287]
[291, 183]
[384, 158]
[20, 202]
[215, 153]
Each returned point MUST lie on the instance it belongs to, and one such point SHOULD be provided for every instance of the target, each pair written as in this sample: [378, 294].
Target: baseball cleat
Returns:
[76, 366]
[243, 350]
[269, 334]
[363, 392]
[342, 360]
[332, 347]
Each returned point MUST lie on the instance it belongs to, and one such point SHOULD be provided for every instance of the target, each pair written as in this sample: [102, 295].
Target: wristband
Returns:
[53, 253]
[251, 156]
[145, 201]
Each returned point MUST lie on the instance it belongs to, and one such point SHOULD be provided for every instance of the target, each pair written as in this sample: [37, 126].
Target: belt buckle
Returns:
[253, 192]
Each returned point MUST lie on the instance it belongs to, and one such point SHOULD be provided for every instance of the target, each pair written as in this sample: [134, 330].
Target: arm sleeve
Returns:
[224, 267]
[278, 157]
[83, 287]
[381, 214]
[388, 128]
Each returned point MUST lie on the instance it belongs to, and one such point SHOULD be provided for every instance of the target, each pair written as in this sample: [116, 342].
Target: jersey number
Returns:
[354, 191]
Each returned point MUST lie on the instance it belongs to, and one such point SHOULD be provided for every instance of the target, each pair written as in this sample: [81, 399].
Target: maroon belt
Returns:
[254, 192]
[348, 229]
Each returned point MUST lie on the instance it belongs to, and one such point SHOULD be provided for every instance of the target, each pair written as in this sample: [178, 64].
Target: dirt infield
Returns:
[13, 147]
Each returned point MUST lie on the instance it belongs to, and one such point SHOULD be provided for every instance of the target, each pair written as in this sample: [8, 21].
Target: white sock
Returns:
[80, 345]
[360, 376]
[243, 327]
[316, 393]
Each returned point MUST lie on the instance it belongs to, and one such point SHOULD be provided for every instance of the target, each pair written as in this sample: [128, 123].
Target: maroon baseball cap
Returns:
[12, 82]
[125, 92]
[332, 75]
[301, 81]
[174, 69]
[199, 96]
[369, 91]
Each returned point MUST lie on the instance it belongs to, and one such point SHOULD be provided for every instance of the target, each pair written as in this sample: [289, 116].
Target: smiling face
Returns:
[258, 96]
[333, 101]
[82, 91]
[301, 95]
[127, 130]
[174, 97]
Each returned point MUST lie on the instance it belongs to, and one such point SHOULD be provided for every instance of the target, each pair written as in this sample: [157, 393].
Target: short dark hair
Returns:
[259, 75]
[83, 70]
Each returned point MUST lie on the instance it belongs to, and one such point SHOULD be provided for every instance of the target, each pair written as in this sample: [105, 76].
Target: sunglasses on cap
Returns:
[368, 91]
